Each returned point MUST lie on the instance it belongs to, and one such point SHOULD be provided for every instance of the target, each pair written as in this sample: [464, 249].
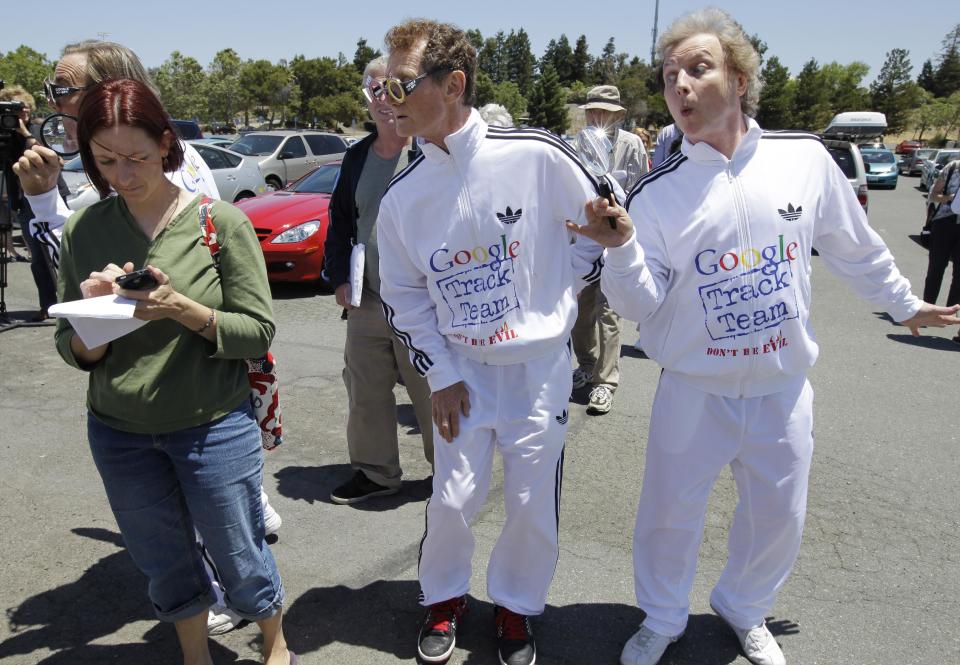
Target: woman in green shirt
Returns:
[170, 426]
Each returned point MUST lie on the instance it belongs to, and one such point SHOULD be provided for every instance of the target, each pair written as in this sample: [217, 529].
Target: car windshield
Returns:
[924, 153]
[945, 157]
[320, 181]
[256, 144]
[877, 157]
[75, 164]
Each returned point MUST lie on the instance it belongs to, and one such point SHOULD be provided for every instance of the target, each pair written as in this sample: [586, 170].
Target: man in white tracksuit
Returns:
[717, 272]
[479, 279]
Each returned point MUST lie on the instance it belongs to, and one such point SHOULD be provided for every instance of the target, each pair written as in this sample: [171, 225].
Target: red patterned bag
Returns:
[261, 372]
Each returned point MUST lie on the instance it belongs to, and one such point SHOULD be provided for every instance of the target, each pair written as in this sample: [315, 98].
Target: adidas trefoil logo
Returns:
[563, 418]
[790, 214]
[510, 217]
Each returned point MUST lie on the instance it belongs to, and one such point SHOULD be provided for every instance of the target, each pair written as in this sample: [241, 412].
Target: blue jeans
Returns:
[162, 486]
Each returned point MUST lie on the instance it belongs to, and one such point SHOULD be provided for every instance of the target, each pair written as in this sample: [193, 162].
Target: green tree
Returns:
[182, 85]
[947, 78]
[759, 46]
[340, 108]
[581, 61]
[508, 94]
[519, 60]
[484, 88]
[225, 95]
[492, 58]
[560, 55]
[548, 108]
[775, 110]
[27, 68]
[843, 86]
[266, 84]
[811, 108]
[927, 78]
[321, 78]
[363, 55]
[893, 93]
[603, 70]
[476, 39]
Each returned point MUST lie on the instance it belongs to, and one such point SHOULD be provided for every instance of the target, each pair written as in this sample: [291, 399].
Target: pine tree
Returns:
[519, 60]
[811, 111]
[893, 93]
[776, 99]
[927, 79]
[581, 60]
[363, 55]
[548, 108]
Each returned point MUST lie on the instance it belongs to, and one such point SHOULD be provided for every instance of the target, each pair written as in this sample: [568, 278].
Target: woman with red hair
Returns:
[169, 421]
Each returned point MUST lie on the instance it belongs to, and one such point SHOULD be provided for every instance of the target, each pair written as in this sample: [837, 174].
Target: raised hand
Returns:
[598, 228]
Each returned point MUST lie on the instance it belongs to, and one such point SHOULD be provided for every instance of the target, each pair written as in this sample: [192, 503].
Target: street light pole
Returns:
[653, 45]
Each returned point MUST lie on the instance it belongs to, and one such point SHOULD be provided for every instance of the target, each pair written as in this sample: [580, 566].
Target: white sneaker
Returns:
[581, 378]
[645, 647]
[271, 519]
[222, 619]
[757, 643]
[601, 401]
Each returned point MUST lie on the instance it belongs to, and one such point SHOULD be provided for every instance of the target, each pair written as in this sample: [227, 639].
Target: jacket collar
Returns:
[703, 153]
[462, 144]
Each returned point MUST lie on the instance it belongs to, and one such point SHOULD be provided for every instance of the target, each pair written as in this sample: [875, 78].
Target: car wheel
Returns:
[243, 195]
[273, 182]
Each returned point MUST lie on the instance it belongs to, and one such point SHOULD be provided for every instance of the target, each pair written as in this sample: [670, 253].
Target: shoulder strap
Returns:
[208, 232]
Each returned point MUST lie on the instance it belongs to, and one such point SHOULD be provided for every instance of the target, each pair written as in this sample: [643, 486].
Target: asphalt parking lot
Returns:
[877, 581]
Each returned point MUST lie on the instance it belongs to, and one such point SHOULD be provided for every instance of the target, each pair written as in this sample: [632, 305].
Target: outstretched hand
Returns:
[600, 213]
[932, 316]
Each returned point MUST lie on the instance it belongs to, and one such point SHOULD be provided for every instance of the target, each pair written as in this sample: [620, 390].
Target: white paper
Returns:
[357, 259]
[99, 320]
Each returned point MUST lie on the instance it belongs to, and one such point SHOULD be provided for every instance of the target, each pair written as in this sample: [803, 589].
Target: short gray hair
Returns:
[496, 115]
[109, 60]
[378, 63]
[738, 52]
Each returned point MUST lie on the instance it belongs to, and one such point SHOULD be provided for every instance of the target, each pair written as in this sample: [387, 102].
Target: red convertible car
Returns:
[291, 225]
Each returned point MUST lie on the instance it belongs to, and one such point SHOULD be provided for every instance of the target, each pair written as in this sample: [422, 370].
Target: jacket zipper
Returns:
[745, 240]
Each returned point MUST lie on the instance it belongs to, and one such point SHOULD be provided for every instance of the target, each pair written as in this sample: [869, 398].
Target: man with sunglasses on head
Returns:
[82, 66]
[479, 280]
[372, 355]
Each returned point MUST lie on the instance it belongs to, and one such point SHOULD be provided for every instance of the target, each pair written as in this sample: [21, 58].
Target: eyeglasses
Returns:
[398, 90]
[373, 89]
[55, 92]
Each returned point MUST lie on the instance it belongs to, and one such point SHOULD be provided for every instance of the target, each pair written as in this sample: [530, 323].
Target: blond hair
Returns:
[738, 53]
[17, 93]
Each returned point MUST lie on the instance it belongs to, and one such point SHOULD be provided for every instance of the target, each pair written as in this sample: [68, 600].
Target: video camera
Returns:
[12, 145]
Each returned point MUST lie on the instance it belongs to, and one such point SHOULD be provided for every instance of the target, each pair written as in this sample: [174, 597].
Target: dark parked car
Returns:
[188, 129]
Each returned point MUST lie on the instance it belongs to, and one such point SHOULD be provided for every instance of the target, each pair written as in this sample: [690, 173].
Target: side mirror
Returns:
[285, 155]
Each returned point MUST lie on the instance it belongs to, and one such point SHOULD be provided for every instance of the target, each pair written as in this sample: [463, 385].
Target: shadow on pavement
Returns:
[314, 484]
[384, 616]
[110, 594]
[934, 342]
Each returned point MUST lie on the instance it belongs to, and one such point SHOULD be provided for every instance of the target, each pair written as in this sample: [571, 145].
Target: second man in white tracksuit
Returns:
[716, 269]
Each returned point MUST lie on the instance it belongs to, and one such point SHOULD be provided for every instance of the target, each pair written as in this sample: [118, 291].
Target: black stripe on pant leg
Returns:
[420, 551]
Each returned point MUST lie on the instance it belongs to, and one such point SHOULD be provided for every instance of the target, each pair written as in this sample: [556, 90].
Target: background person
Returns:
[596, 334]
[479, 282]
[372, 356]
[729, 323]
[21, 213]
[944, 236]
[170, 424]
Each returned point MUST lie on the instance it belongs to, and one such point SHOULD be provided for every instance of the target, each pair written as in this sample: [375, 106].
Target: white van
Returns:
[857, 126]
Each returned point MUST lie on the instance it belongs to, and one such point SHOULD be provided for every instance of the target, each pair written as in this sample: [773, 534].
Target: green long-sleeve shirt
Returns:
[163, 377]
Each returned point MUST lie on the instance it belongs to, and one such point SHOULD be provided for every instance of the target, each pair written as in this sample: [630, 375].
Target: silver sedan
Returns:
[237, 177]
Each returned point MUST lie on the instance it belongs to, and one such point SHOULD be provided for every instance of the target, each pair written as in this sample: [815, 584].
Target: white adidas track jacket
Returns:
[718, 275]
[474, 256]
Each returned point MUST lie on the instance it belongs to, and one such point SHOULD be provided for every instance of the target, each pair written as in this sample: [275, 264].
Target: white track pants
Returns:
[768, 443]
[522, 411]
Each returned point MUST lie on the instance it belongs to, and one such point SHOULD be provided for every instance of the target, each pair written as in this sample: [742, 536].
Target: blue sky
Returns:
[835, 30]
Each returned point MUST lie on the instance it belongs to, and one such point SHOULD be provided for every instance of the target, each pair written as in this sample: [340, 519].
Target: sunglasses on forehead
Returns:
[54, 91]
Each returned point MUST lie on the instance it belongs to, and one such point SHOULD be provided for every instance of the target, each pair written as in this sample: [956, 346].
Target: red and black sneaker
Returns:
[514, 638]
[438, 634]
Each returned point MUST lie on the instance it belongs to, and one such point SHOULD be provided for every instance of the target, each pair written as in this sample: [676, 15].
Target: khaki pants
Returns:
[597, 354]
[372, 358]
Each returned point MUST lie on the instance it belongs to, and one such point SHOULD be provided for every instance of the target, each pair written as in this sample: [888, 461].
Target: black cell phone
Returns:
[138, 280]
